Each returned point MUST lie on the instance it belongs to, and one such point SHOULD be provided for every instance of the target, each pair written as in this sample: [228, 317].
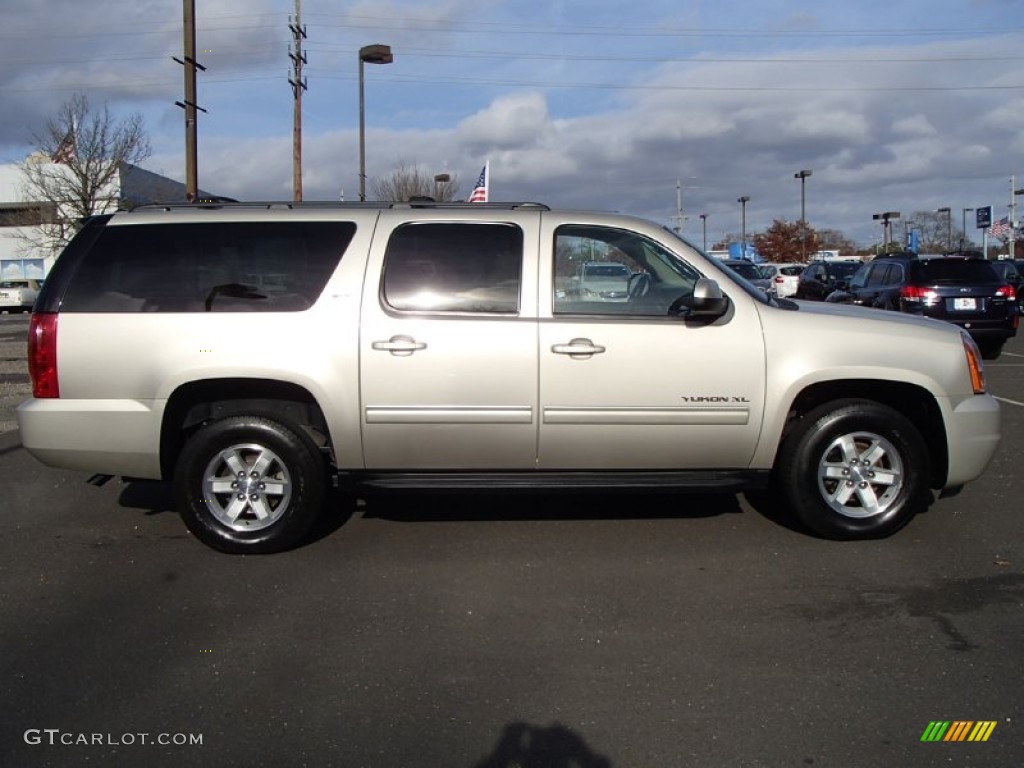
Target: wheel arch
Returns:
[196, 403]
[913, 401]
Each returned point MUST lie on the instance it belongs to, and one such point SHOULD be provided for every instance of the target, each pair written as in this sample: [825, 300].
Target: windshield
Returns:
[744, 269]
[750, 288]
[843, 268]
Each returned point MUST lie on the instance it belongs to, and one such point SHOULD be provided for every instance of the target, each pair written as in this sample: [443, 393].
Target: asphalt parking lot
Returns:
[482, 632]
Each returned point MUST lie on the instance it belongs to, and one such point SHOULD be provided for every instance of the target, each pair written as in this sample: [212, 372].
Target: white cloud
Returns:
[916, 125]
[578, 104]
[517, 121]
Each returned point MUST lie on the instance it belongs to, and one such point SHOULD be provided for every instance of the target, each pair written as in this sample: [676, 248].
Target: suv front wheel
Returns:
[248, 484]
[854, 469]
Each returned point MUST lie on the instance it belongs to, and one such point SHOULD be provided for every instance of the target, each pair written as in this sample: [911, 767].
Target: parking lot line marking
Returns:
[1007, 400]
[1013, 354]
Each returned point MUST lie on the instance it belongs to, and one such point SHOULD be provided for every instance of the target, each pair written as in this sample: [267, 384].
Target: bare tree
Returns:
[408, 181]
[74, 171]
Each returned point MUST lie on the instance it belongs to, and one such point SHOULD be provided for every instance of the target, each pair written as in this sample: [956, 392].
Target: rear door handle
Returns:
[578, 348]
[400, 346]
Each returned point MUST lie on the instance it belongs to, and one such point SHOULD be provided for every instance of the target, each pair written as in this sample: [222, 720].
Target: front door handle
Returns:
[578, 349]
[400, 346]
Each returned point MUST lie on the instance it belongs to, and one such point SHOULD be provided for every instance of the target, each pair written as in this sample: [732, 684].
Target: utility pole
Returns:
[298, 84]
[679, 208]
[188, 61]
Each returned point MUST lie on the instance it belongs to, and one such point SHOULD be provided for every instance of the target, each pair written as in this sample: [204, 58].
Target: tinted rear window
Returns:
[208, 267]
[936, 271]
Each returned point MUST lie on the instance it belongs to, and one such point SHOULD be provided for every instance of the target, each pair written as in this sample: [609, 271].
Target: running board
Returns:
[696, 480]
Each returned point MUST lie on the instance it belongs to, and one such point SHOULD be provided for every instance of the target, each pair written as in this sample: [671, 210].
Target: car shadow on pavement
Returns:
[154, 497]
[768, 504]
[529, 746]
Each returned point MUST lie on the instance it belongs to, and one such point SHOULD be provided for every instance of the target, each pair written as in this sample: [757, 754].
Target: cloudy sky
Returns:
[894, 106]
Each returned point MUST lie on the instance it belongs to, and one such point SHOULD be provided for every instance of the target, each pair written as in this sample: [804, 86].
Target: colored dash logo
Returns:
[958, 730]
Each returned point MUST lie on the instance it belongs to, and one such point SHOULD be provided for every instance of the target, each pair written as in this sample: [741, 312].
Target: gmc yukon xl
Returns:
[258, 355]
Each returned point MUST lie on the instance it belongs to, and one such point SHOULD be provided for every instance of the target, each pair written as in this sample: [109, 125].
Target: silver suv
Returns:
[253, 354]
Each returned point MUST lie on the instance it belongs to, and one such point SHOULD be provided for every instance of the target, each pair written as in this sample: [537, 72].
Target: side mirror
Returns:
[707, 302]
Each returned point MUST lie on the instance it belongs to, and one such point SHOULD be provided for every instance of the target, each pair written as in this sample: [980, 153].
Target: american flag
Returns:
[65, 151]
[1001, 228]
[479, 193]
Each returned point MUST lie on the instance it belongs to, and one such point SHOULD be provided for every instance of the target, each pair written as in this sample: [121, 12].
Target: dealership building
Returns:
[130, 187]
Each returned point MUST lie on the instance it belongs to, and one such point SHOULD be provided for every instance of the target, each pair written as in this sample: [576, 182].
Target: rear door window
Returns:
[879, 275]
[453, 267]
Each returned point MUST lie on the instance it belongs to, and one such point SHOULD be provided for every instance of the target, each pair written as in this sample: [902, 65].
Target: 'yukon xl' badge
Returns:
[714, 399]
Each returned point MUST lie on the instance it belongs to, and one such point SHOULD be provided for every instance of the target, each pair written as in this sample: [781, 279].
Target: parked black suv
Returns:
[1012, 272]
[960, 289]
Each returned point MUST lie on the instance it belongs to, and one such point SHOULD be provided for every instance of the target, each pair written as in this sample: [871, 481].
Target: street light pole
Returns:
[743, 208]
[886, 226]
[949, 227]
[369, 54]
[802, 175]
[704, 226]
[963, 227]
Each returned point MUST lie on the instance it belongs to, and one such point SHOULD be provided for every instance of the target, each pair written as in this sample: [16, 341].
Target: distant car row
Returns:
[983, 297]
[968, 291]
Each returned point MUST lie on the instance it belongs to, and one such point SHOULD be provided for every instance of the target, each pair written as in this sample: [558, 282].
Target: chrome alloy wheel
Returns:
[247, 487]
[860, 475]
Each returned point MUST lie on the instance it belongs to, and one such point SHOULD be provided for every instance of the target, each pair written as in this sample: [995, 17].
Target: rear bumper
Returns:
[973, 436]
[988, 332]
[113, 437]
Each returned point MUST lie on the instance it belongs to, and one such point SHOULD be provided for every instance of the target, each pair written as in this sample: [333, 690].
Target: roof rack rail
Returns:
[291, 204]
[910, 255]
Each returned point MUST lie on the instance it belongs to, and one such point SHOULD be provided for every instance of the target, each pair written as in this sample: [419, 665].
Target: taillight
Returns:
[1007, 292]
[918, 293]
[974, 364]
[42, 354]
[780, 279]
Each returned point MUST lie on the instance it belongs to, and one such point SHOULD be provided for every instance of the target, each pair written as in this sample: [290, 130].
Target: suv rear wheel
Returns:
[248, 484]
[854, 469]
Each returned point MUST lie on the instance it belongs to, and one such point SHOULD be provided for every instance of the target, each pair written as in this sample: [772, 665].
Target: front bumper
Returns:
[973, 436]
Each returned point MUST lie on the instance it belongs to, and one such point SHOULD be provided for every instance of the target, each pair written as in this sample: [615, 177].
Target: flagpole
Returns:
[1012, 245]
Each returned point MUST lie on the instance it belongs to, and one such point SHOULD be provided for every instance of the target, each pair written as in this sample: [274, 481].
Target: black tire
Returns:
[854, 469]
[282, 476]
[990, 350]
